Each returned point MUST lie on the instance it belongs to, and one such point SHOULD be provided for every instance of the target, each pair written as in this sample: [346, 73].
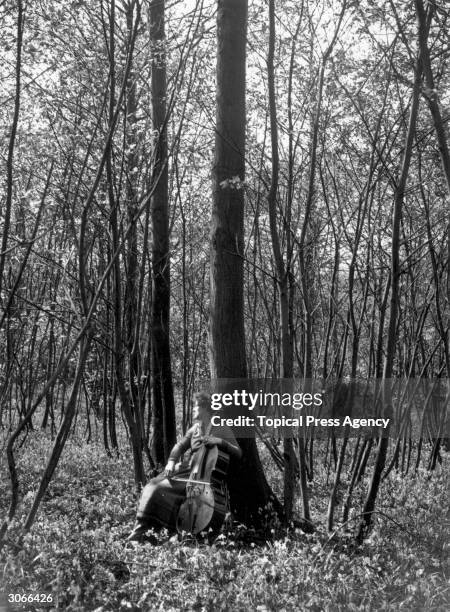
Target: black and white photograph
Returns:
[224, 305]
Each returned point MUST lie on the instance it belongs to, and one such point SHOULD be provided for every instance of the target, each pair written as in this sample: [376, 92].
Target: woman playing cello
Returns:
[162, 497]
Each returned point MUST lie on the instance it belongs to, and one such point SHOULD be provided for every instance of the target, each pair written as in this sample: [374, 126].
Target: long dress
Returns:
[162, 496]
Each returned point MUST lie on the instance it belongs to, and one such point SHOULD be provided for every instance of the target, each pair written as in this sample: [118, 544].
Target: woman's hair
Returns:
[203, 398]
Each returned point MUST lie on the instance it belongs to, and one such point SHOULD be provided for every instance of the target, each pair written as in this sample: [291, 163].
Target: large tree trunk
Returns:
[164, 426]
[249, 490]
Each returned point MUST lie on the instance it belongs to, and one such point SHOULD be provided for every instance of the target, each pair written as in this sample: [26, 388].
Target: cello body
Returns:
[206, 501]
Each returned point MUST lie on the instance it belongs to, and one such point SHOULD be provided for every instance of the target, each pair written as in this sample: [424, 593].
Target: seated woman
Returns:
[163, 495]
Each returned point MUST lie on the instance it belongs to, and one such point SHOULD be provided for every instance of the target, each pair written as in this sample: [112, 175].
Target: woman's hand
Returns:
[210, 441]
[169, 469]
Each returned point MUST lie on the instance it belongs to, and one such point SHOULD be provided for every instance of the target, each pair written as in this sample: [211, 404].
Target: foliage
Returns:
[77, 549]
[92, 245]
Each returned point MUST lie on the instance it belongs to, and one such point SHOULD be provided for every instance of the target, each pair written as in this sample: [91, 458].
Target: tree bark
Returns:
[164, 426]
[249, 490]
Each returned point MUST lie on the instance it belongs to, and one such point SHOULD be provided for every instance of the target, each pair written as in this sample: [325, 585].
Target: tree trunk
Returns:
[383, 443]
[249, 490]
[63, 432]
[164, 426]
[287, 361]
[12, 142]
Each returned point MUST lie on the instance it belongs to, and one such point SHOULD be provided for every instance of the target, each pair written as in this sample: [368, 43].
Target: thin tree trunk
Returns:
[12, 142]
[383, 443]
[63, 433]
[283, 280]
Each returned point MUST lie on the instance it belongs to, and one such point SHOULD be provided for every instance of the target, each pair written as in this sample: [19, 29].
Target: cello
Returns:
[206, 501]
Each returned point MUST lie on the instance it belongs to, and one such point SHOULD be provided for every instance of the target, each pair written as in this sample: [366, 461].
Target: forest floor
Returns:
[77, 552]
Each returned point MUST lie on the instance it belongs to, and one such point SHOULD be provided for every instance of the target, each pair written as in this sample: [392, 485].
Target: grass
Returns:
[77, 549]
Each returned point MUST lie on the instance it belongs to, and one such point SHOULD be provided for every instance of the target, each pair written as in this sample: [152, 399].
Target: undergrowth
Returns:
[77, 549]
